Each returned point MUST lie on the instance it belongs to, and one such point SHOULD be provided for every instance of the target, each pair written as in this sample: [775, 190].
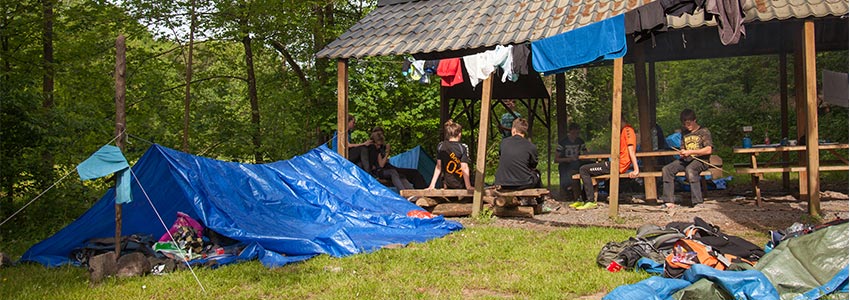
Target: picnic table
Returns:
[649, 186]
[756, 169]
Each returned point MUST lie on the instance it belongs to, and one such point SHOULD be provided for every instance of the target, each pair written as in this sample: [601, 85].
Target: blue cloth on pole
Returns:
[106, 160]
[602, 40]
[123, 194]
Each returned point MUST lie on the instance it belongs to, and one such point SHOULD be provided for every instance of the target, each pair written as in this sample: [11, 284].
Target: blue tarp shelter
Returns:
[286, 211]
[416, 158]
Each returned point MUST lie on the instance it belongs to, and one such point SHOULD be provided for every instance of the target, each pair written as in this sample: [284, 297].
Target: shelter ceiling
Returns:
[453, 28]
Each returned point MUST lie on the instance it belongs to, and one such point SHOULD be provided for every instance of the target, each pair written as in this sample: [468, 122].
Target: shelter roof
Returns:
[452, 28]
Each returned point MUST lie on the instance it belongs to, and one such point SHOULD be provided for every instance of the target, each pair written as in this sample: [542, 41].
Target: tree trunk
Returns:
[252, 95]
[47, 87]
[188, 100]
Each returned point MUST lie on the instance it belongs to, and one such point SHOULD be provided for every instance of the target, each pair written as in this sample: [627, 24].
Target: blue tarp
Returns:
[748, 284]
[286, 211]
[416, 158]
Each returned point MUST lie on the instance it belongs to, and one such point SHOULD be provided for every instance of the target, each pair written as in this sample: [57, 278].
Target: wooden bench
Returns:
[651, 174]
[456, 202]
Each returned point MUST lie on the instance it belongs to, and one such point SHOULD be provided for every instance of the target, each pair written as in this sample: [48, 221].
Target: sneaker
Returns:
[588, 205]
[576, 204]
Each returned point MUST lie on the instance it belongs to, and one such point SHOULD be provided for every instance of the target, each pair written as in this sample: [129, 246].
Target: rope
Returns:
[158, 216]
[36, 198]
[53, 185]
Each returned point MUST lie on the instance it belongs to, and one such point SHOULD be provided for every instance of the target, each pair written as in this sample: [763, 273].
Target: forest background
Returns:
[238, 80]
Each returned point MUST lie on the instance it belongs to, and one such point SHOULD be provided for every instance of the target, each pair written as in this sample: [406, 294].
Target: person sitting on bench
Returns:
[695, 151]
[517, 160]
[628, 142]
[453, 157]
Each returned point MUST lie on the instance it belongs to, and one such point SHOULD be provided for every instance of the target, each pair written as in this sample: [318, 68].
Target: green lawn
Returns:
[479, 262]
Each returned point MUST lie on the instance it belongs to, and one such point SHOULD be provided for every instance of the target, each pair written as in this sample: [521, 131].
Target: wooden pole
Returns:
[645, 119]
[783, 111]
[812, 153]
[800, 108]
[561, 105]
[342, 107]
[120, 119]
[616, 112]
[481, 153]
[653, 95]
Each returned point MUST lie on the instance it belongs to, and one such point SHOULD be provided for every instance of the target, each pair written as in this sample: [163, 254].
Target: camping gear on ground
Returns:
[711, 235]
[687, 253]
[285, 211]
[651, 241]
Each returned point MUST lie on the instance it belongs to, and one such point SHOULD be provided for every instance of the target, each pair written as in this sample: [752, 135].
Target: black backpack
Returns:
[651, 241]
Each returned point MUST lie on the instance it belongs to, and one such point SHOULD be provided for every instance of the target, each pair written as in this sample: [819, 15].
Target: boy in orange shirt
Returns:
[628, 143]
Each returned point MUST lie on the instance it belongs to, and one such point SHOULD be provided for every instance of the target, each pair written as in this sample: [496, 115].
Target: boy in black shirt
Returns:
[517, 160]
[452, 160]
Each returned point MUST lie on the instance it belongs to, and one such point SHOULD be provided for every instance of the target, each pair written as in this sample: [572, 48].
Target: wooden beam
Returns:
[481, 153]
[342, 107]
[561, 105]
[643, 104]
[812, 153]
[120, 120]
[800, 110]
[653, 95]
[783, 111]
[616, 112]
[444, 108]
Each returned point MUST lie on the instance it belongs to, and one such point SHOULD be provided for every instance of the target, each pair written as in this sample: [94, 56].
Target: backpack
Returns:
[651, 241]
[688, 252]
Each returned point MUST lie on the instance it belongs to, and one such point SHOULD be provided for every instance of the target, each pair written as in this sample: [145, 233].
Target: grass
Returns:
[479, 262]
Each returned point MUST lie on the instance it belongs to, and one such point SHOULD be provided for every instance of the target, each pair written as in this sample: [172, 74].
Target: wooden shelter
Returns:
[454, 28]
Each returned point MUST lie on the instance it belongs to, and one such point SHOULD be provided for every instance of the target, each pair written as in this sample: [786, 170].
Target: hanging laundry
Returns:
[405, 67]
[430, 66]
[521, 59]
[107, 160]
[729, 15]
[507, 64]
[646, 21]
[450, 71]
[417, 69]
[679, 7]
[480, 66]
[602, 40]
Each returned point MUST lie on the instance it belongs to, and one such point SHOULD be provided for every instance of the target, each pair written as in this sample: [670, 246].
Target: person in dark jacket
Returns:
[517, 160]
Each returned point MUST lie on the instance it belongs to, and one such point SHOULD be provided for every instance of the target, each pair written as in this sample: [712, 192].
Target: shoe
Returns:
[588, 205]
[576, 204]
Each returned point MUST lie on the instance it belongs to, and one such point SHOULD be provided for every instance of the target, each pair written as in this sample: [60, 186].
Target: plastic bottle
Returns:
[766, 138]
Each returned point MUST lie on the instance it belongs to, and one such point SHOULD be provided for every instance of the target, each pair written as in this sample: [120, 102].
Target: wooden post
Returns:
[653, 95]
[644, 113]
[616, 112]
[342, 107]
[812, 153]
[561, 105]
[481, 153]
[444, 108]
[783, 111]
[120, 119]
[800, 109]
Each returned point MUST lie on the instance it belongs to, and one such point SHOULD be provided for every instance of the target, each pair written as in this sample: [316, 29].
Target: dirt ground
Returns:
[734, 210]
